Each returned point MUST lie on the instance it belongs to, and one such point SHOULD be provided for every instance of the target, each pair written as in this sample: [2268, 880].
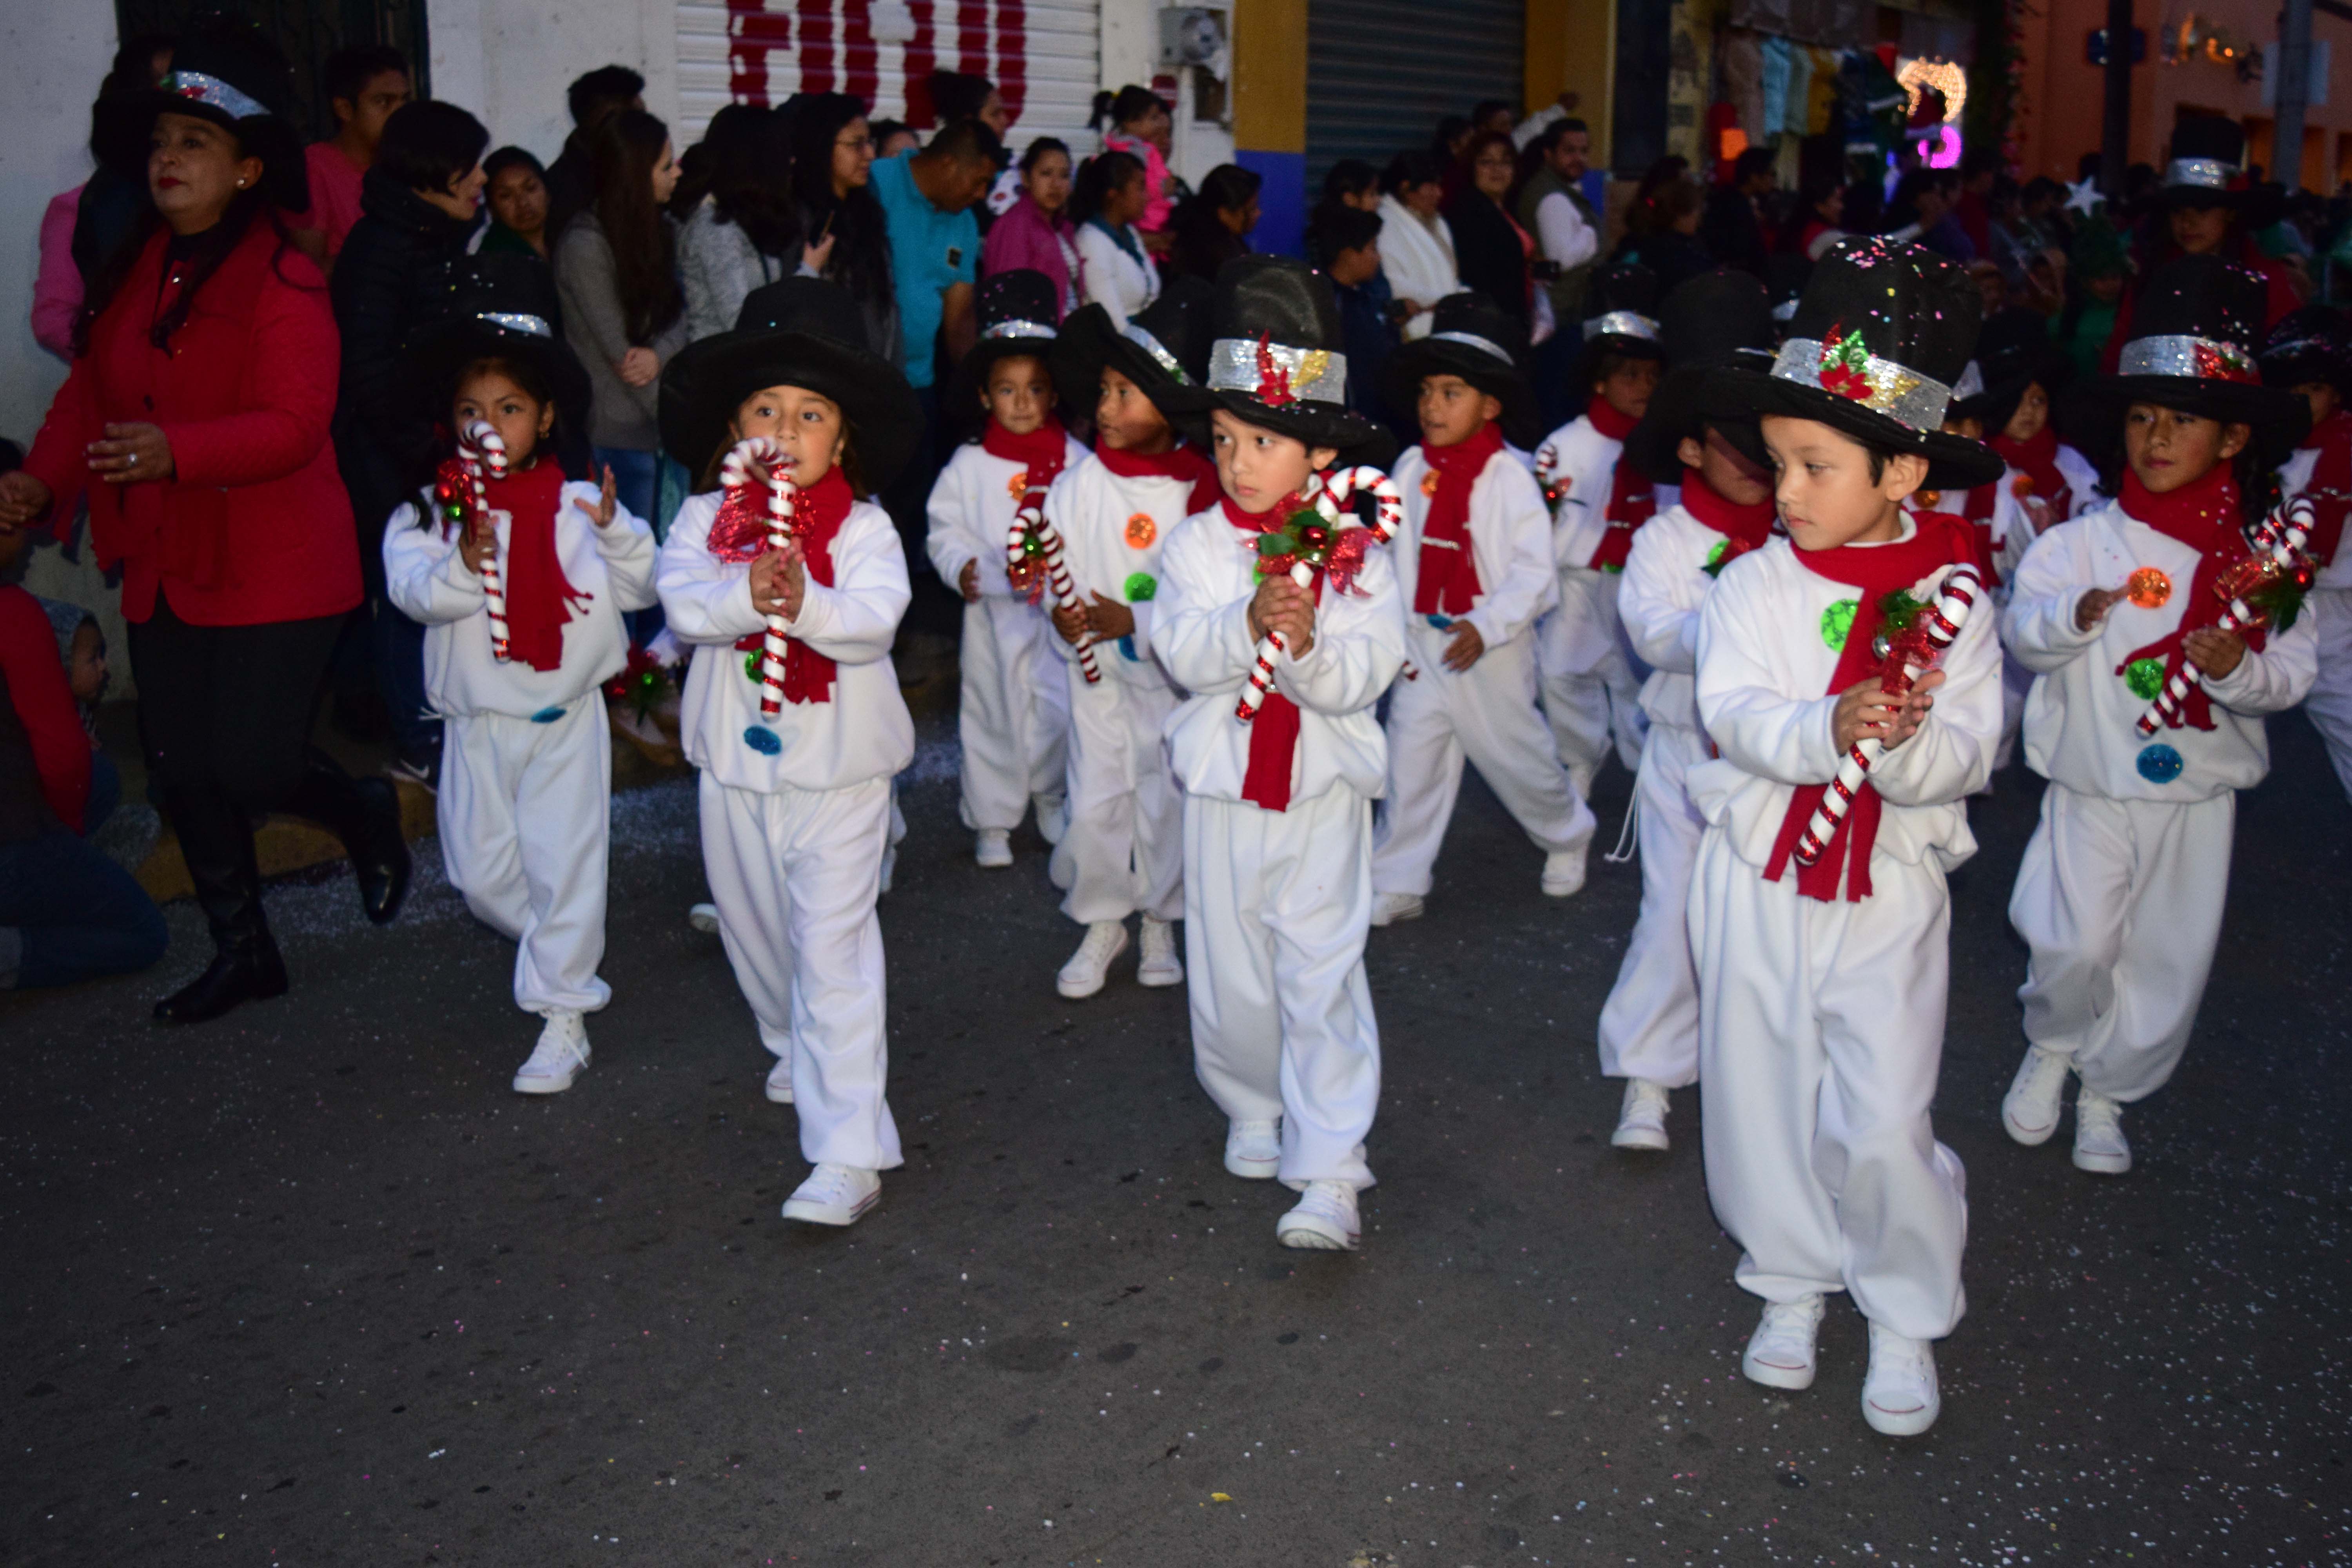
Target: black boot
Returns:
[217, 842]
[365, 815]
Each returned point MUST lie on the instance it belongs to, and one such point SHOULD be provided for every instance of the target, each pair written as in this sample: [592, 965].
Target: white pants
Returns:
[795, 875]
[1820, 1032]
[2329, 705]
[1486, 715]
[1590, 693]
[2120, 903]
[1014, 714]
[1125, 847]
[525, 812]
[2016, 683]
[1276, 908]
[1649, 1025]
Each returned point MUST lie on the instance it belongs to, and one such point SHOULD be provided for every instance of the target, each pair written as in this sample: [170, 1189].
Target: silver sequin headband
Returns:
[1844, 367]
[1275, 374]
[2209, 173]
[1157, 350]
[1621, 324]
[211, 90]
[2184, 354]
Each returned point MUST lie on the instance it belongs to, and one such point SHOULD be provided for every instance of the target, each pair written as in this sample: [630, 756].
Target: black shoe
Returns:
[365, 815]
[216, 842]
[248, 971]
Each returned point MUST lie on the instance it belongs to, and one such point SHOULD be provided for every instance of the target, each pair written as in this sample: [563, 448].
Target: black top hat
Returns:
[1017, 312]
[1714, 321]
[1471, 337]
[1163, 349]
[799, 332]
[229, 72]
[1874, 349]
[493, 306]
[2194, 332]
[2013, 352]
[1276, 359]
[2308, 344]
[1786, 273]
[2208, 165]
[1622, 306]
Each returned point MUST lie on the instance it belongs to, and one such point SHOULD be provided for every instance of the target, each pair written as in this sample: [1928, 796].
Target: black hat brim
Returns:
[707, 380]
[427, 367]
[1588, 362]
[1356, 438]
[1089, 344]
[1678, 409]
[1954, 462]
[1401, 380]
[2279, 416]
[967, 386]
[124, 124]
[2318, 363]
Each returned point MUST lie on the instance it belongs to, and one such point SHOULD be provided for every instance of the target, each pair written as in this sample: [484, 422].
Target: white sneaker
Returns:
[1052, 817]
[1642, 1120]
[835, 1194]
[1254, 1150]
[1161, 966]
[556, 1060]
[2100, 1146]
[1563, 874]
[1090, 965]
[1780, 1351]
[2029, 1111]
[994, 848]
[780, 1081]
[1389, 908]
[1324, 1221]
[1898, 1395]
[703, 918]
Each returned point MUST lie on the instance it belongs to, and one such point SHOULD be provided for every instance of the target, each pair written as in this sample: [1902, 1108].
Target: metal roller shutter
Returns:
[1380, 73]
[1043, 55]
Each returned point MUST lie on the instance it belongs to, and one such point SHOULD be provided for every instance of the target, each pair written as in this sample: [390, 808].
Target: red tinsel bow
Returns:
[453, 488]
[739, 531]
[1273, 381]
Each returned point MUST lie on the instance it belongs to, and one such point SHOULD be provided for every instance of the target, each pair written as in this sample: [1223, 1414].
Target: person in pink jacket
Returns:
[1141, 125]
[1035, 231]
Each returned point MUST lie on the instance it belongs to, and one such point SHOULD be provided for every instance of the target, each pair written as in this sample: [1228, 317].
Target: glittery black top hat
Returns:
[1470, 337]
[1715, 321]
[2013, 352]
[2207, 164]
[2309, 344]
[1622, 302]
[1017, 310]
[1276, 359]
[1163, 349]
[492, 306]
[227, 71]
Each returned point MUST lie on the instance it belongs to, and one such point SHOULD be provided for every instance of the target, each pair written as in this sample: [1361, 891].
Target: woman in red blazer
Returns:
[195, 422]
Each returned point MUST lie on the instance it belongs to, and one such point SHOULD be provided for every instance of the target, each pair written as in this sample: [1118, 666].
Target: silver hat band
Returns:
[2182, 355]
[1786, 311]
[1971, 385]
[1914, 400]
[1621, 324]
[1157, 350]
[2211, 173]
[1020, 328]
[211, 89]
[1472, 340]
[517, 321]
[1275, 374]
[2296, 346]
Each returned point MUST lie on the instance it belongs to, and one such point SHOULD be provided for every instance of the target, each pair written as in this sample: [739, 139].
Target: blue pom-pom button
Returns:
[763, 739]
[2160, 764]
[547, 716]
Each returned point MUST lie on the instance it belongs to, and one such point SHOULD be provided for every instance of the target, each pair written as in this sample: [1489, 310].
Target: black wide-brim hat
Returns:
[1877, 343]
[1471, 338]
[1623, 300]
[491, 307]
[799, 332]
[2207, 170]
[2309, 343]
[2194, 331]
[2013, 352]
[1717, 320]
[1163, 350]
[1277, 362]
[1017, 312]
[228, 72]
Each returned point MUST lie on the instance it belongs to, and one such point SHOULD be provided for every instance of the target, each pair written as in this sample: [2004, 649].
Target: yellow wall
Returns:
[1270, 74]
[1573, 46]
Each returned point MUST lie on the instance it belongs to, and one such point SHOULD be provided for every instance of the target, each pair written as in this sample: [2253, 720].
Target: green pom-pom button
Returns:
[1140, 587]
[1714, 553]
[2145, 677]
[1837, 621]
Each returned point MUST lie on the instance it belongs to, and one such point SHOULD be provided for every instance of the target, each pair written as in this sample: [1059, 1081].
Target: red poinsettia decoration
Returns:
[1845, 364]
[2220, 361]
[1273, 381]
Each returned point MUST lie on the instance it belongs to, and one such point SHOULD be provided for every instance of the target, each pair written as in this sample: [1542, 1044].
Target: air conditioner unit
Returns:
[1192, 35]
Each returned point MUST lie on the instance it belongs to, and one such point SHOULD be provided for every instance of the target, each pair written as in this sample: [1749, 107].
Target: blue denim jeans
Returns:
[76, 913]
[637, 484]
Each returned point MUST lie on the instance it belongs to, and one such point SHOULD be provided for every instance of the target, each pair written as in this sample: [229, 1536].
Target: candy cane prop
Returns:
[1031, 521]
[1332, 493]
[734, 473]
[1941, 621]
[479, 447]
[1548, 473]
[2279, 541]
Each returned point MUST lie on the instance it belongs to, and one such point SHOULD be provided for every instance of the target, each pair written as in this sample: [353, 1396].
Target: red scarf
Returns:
[1448, 581]
[1633, 499]
[1874, 571]
[1179, 462]
[1040, 453]
[539, 598]
[1744, 528]
[2038, 460]
[1273, 733]
[2330, 487]
[2203, 515]
[740, 532]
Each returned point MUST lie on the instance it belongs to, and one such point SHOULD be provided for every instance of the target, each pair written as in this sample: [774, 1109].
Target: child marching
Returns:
[790, 586]
[1474, 570]
[1819, 914]
[1113, 511]
[1014, 714]
[1277, 810]
[2147, 711]
[521, 578]
[2310, 352]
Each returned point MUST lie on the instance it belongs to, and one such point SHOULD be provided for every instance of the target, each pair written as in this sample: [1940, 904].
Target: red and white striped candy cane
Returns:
[1548, 473]
[1030, 519]
[2281, 538]
[1943, 619]
[734, 473]
[1332, 492]
[479, 447]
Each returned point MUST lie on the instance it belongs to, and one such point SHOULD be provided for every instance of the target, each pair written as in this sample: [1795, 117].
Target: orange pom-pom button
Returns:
[1429, 483]
[1018, 485]
[2021, 486]
[2148, 588]
[1141, 531]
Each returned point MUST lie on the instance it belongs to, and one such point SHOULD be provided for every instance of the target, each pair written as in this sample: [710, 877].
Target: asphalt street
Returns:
[311, 1285]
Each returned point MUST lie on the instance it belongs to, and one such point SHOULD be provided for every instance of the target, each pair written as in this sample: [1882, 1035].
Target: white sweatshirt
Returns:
[1202, 636]
[2081, 716]
[1666, 582]
[1114, 531]
[865, 731]
[1419, 261]
[970, 512]
[1510, 544]
[1584, 464]
[426, 576]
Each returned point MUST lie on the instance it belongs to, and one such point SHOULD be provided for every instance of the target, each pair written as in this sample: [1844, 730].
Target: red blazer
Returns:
[253, 526]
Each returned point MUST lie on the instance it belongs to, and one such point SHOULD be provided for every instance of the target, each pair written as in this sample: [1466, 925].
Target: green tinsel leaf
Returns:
[1898, 610]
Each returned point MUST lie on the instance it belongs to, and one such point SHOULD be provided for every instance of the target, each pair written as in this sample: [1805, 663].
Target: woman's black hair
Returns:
[957, 95]
[1348, 177]
[745, 176]
[525, 375]
[429, 145]
[505, 158]
[1485, 109]
[1125, 106]
[1450, 128]
[1039, 148]
[1098, 176]
[1228, 187]
[1336, 227]
[622, 150]
[1411, 169]
[861, 251]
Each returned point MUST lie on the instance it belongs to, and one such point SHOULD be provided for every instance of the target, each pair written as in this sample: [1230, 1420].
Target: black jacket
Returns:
[1731, 232]
[1487, 255]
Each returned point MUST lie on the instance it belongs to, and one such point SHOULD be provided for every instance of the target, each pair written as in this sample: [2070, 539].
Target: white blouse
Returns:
[1109, 277]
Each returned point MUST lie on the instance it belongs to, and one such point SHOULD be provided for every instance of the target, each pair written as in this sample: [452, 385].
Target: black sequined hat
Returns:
[227, 71]
[1017, 310]
[1623, 319]
[1163, 349]
[1715, 321]
[1276, 359]
[2013, 352]
[2208, 168]
[490, 305]
[1877, 343]
[1472, 338]
[2308, 344]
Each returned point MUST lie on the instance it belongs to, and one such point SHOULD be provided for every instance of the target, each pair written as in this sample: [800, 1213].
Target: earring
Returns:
[240, 185]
